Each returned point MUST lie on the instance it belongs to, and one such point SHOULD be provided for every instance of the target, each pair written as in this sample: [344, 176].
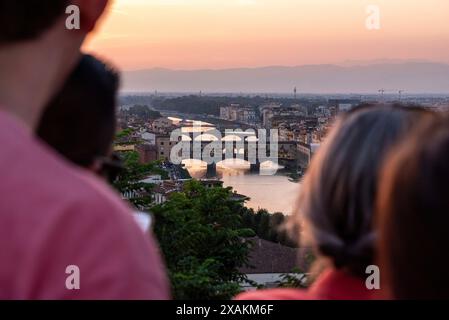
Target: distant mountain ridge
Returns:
[410, 76]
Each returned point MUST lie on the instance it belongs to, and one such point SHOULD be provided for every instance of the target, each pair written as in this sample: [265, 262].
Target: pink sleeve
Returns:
[115, 259]
[274, 294]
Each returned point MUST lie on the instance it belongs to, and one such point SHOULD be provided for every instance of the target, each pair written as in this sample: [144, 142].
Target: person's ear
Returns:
[90, 12]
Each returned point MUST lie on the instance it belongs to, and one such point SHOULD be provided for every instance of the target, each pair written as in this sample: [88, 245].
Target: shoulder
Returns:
[56, 215]
[330, 285]
[107, 244]
[275, 294]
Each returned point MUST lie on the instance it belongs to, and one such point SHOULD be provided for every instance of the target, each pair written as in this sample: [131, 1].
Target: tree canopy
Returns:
[143, 112]
[201, 234]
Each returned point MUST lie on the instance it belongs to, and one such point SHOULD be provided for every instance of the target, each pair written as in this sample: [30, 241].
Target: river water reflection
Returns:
[276, 193]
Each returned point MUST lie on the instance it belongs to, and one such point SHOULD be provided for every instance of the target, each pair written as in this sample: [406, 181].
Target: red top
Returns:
[54, 215]
[330, 285]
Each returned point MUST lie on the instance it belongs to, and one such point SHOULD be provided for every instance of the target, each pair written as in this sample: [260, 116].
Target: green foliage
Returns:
[201, 104]
[196, 104]
[124, 133]
[270, 227]
[200, 232]
[143, 112]
[296, 279]
[135, 171]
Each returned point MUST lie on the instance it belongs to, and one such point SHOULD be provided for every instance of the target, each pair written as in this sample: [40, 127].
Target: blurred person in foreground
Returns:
[54, 216]
[336, 203]
[413, 216]
[80, 122]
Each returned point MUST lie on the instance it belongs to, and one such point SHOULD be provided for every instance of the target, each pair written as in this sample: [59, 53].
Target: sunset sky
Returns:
[192, 34]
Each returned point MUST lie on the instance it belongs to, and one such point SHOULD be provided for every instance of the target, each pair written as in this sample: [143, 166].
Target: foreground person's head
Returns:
[80, 122]
[339, 191]
[38, 50]
[413, 216]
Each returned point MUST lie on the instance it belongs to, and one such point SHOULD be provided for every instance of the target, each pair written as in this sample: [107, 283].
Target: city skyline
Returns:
[221, 34]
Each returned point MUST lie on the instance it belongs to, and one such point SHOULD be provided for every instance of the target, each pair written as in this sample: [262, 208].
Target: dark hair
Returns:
[338, 195]
[80, 122]
[26, 20]
[413, 215]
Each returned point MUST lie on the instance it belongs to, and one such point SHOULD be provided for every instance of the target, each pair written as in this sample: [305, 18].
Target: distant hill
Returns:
[413, 77]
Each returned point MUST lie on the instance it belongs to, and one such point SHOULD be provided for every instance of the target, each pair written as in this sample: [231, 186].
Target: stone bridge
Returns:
[213, 146]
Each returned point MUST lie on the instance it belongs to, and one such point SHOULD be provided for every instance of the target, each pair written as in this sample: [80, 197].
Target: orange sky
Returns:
[191, 34]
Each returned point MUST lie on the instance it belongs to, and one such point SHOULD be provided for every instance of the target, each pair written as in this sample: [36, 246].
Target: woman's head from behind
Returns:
[413, 215]
[339, 191]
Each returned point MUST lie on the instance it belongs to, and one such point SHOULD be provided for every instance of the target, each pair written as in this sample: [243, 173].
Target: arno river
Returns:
[276, 193]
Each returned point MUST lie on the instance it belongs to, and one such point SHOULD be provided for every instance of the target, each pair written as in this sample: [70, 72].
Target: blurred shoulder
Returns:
[274, 294]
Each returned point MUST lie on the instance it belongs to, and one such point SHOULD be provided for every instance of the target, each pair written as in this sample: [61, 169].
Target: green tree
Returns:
[144, 112]
[135, 171]
[201, 234]
[132, 173]
[296, 279]
[124, 133]
[270, 227]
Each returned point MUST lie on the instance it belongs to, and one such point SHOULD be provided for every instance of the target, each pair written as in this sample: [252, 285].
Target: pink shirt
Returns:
[330, 285]
[53, 215]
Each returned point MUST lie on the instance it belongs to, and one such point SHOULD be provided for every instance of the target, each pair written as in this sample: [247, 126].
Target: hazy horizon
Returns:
[368, 78]
[346, 63]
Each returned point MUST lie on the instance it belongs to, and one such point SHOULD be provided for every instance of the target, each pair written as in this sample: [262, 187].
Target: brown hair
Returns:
[338, 195]
[80, 121]
[26, 20]
[413, 215]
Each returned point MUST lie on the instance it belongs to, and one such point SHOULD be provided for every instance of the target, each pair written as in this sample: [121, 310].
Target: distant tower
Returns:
[382, 91]
[400, 95]
[295, 91]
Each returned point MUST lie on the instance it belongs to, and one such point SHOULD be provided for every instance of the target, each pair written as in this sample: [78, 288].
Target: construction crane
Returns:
[383, 91]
